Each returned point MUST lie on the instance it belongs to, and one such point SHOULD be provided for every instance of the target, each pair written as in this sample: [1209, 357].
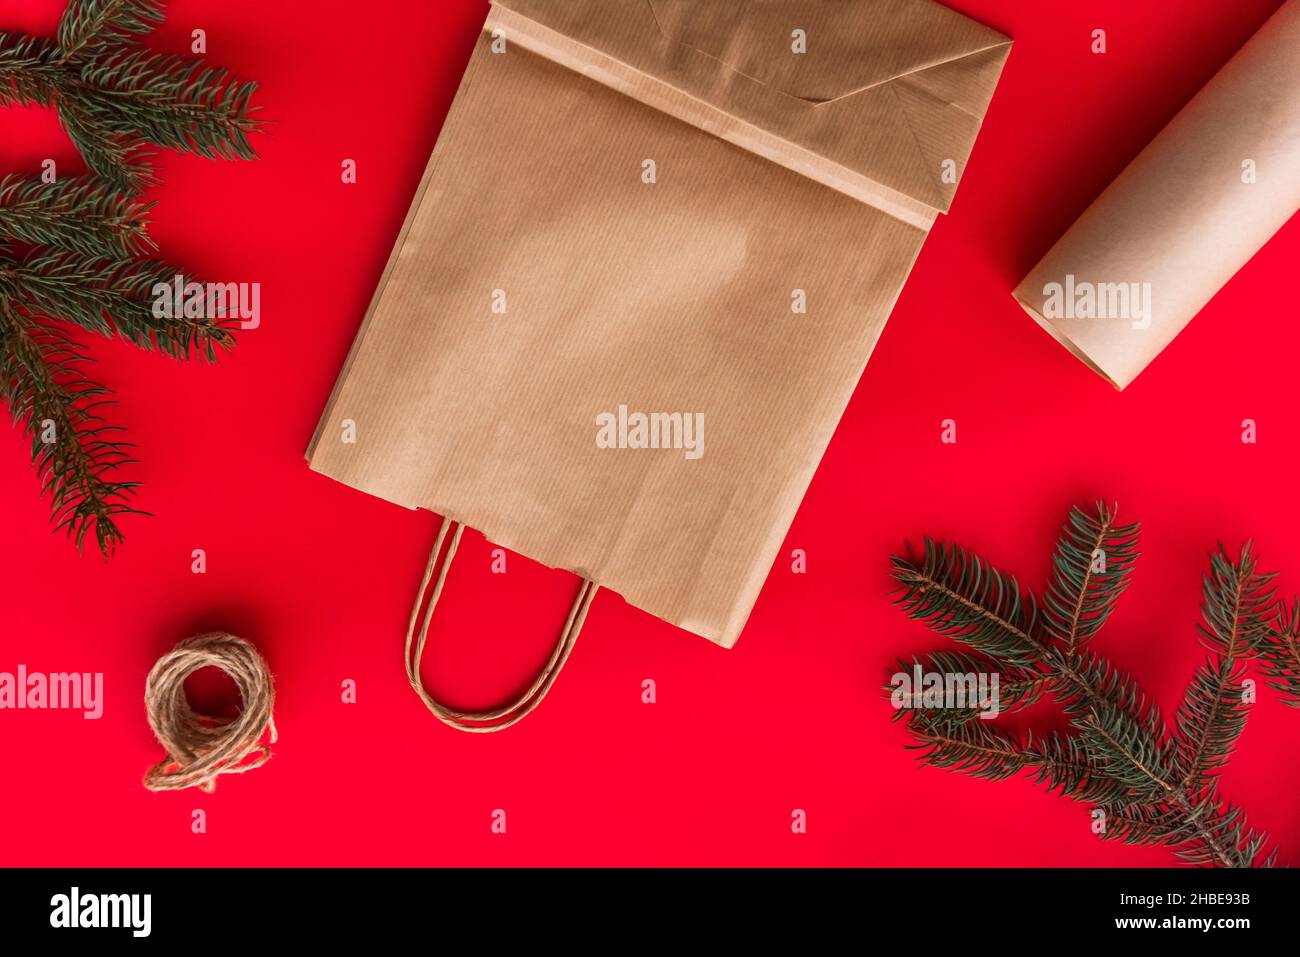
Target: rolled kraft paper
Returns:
[1178, 223]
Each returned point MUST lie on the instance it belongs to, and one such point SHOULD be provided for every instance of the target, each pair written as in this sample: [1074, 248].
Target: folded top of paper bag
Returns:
[870, 98]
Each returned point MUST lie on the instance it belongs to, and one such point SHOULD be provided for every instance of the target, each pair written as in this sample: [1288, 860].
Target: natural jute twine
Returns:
[199, 747]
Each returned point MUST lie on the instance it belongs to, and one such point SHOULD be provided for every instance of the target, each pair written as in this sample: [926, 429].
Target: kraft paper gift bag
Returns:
[1192, 209]
[653, 249]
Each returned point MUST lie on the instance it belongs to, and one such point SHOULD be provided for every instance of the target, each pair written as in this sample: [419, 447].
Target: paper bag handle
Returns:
[496, 719]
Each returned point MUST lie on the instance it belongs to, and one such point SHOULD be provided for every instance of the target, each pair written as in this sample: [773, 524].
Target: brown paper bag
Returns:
[653, 249]
[1209, 191]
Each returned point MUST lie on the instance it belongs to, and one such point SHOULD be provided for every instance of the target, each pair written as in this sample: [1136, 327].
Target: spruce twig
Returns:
[109, 296]
[116, 98]
[29, 70]
[1154, 785]
[75, 450]
[71, 250]
[90, 25]
[1236, 608]
[1090, 570]
[1279, 654]
[76, 213]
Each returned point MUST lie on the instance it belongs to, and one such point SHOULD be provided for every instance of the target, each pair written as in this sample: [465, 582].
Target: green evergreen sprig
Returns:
[116, 98]
[88, 27]
[76, 213]
[108, 296]
[1155, 784]
[75, 450]
[74, 252]
[1279, 655]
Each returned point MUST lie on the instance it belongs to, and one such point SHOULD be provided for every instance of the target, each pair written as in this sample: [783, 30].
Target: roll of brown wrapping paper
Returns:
[1211, 189]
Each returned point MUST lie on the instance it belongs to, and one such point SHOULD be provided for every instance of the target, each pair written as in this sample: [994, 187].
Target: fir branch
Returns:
[109, 151]
[112, 296]
[74, 449]
[1121, 753]
[1065, 767]
[1142, 824]
[1018, 688]
[1220, 837]
[983, 750]
[90, 25]
[1211, 834]
[76, 214]
[1120, 729]
[172, 102]
[1090, 570]
[1279, 654]
[30, 73]
[976, 748]
[1124, 746]
[116, 98]
[962, 597]
[1237, 604]
[79, 238]
[959, 595]
[1216, 837]
[1090, 683]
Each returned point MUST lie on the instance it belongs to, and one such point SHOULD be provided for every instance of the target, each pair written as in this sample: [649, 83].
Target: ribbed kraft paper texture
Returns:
[670, 297]
[1184, 217]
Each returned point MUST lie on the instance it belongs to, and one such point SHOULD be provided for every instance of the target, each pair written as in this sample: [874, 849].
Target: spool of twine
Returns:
[199, 747]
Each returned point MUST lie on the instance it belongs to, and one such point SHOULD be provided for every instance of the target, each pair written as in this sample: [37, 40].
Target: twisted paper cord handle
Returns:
[496, 719]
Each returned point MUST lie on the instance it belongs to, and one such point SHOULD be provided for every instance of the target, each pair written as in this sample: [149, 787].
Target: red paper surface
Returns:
[321, 577]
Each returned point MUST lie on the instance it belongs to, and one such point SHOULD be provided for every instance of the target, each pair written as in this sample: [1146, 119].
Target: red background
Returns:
[320, 576]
